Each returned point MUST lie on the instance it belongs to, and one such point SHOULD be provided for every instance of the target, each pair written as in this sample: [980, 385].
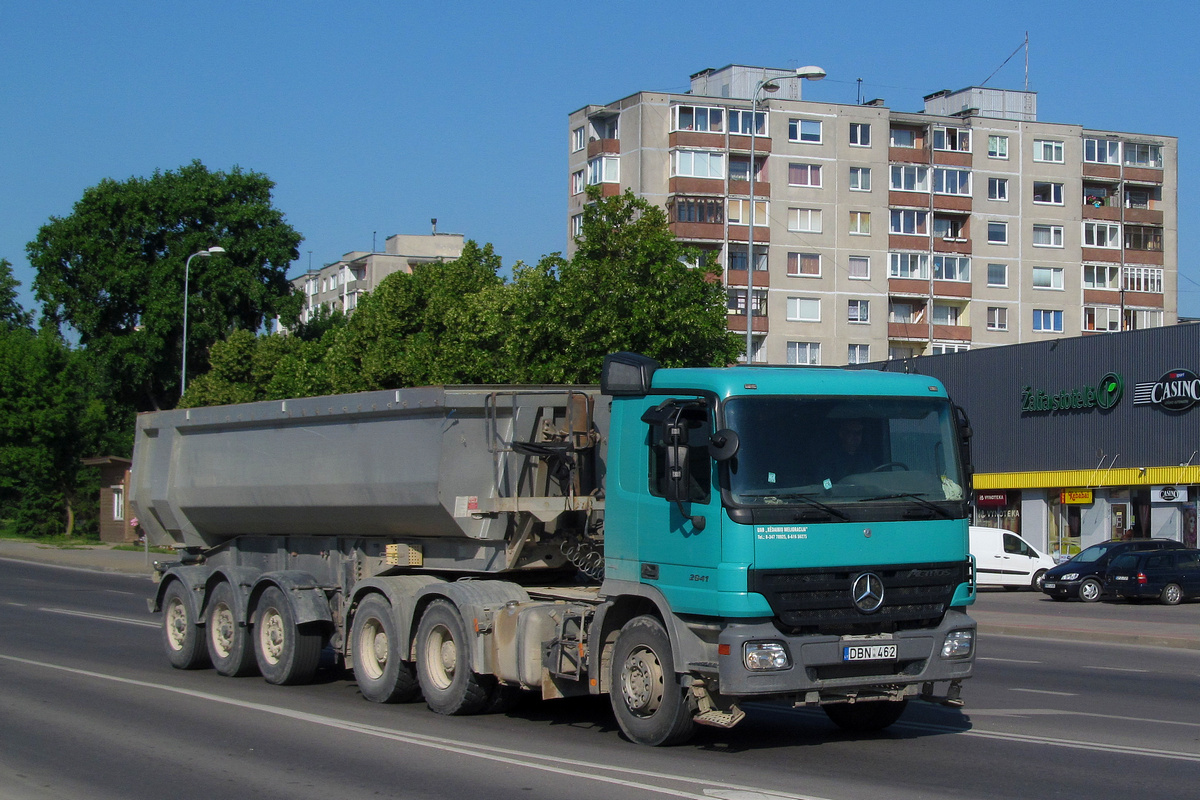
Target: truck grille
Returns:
[821, 601]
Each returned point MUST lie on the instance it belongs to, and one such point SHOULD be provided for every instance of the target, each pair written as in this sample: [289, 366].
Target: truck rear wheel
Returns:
[444, 665]
[650, 705]
[382, 674]
[229, 644]
[182, 638]
[866, 717]
[286, 653]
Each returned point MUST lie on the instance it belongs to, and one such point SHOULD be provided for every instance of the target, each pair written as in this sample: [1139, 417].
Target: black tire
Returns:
[1039, 578]
[868, 717]
[650, 705]
[1170, 595]
[445, 669]
[382, 674]
[287, 653]
[181, 636]
[229, 645]
[1090, 590]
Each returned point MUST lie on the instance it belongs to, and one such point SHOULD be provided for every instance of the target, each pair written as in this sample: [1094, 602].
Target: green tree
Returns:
[114, 271]
[12, 315]
[245, 368]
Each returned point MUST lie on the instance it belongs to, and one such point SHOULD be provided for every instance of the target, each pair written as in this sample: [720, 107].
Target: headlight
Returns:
[761, 656]
[1070, 576]
[958, 644]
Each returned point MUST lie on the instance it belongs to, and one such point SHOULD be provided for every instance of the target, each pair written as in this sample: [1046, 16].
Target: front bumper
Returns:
[817, 663]
[1056, 587]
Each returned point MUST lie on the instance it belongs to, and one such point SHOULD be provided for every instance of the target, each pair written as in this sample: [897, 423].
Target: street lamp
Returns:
[187, 269]
[807, 73]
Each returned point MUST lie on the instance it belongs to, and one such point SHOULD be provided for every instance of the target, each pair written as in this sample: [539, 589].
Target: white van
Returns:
[1004, 559]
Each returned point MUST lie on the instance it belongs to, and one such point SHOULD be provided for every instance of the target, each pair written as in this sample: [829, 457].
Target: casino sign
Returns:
[1177, 390]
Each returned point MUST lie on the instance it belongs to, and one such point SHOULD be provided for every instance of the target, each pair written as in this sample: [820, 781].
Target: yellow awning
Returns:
[1089, 478]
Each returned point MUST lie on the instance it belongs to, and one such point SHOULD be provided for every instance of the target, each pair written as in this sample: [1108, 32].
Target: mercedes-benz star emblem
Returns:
[867, 592]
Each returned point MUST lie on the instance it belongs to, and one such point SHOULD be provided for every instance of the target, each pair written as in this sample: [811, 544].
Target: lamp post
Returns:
[807, 73]
[187, 269]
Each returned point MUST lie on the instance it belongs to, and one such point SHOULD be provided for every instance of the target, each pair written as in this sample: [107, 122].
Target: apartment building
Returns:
[339, 285]
[882, 234]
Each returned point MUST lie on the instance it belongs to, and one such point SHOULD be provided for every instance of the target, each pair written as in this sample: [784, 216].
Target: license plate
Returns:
[1121, 577]
[869, 652]
[1049, 585]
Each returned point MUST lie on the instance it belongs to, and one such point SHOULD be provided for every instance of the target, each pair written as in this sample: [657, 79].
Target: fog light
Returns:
[760, 656]
[958, 644]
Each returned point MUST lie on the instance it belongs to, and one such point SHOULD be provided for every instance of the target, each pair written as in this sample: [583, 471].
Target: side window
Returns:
[1158, 561]
[1015, 546]
[694, 419]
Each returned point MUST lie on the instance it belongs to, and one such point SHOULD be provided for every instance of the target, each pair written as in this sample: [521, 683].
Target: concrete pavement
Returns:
[998, 613]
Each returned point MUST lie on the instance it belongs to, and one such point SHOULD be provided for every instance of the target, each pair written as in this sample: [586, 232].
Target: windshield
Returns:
[840, 451]
[1093, 553]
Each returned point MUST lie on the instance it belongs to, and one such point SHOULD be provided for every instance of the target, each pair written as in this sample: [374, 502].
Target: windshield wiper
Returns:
[804, 497]
[919, 498]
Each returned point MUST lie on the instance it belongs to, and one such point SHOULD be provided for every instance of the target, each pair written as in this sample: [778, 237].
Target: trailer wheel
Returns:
[382, 674]
[182, 638]
[650, 705]
[444, 664]
[286, 653]
[866, 717]
[229, 644]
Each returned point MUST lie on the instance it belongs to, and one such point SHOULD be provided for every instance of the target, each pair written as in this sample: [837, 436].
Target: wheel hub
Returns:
[642, 682]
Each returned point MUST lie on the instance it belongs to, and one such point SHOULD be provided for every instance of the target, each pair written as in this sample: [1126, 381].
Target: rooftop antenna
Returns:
[1014, 52]
[373, 250]
[433, 222]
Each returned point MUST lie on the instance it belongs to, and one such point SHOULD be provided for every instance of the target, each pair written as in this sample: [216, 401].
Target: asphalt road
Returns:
[90, 708]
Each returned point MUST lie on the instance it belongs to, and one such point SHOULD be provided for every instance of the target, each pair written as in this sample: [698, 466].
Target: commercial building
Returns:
[886, 234]
[1083, 439]
[338, 286]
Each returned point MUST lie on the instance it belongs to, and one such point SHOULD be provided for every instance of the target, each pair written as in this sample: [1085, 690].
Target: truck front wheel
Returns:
[866, 717]
[650, 705]
[229, 644]
[182, 637]
[382, 674]
[286, 653]
[444, 665]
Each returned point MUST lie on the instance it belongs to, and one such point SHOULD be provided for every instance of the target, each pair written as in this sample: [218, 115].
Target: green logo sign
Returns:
[1104, 395]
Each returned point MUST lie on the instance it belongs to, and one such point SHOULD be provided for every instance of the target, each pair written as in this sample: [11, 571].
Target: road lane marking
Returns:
[517, 758]
[149, 623]
[1007, 660]
[1114, 669]
[1149, 752]
[1045, 691]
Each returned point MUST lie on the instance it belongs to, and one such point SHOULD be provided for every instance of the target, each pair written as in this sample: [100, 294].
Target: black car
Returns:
[1083, 575]
[1170, 575]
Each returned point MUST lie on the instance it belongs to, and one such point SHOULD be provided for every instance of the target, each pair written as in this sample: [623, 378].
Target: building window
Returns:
[1102, 151]
[914, 223]
[605, 169]
[1143, 155]
[697, 118]
[858, 311]
[1048, 193]
[740, 122]
[1137, 319]
[997, 275]
[910, 179]
[998, 233]
[577, 140]
[949, 228]
[804, 175]
[997, 318]
[577, 182]
[739, 168]
[860, 134]
[1046, 150]
[118, 503]
[859, 267]
[697, 164]
[737, 258]
[908, 265]
[860, 179]
[805, 130]
[952, 268]
[904, 313]
[806, 265]
[952, 181]
[1143, 279]
[997, 188]
[804, 220]
[697, 209]
[576, 225]
[739, 212]
[903, 137]
[804, 353]
[1047, 236]
[1143, 237]
[860, 222]
[736, 303]
[952, 139]
[946, 314]
[1101, 318]
[1142, 197]
[1047, 321]
[1099, 276]
[803, 309]
[1048, 278]
[1101, 234]
[858, 354]
[941, 348]
[997, 147]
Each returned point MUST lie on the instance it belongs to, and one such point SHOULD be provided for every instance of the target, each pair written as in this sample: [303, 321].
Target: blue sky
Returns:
[373, 117]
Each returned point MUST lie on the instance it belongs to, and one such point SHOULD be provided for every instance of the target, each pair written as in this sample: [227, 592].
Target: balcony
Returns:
[908, 155]
[954, 333]
[696, 139]
[737, 323]
[737, 141]
[598, 147]
[698, 230]
[907, 331]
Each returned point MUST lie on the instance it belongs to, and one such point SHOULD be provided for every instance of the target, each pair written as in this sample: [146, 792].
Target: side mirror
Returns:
[723, 445]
